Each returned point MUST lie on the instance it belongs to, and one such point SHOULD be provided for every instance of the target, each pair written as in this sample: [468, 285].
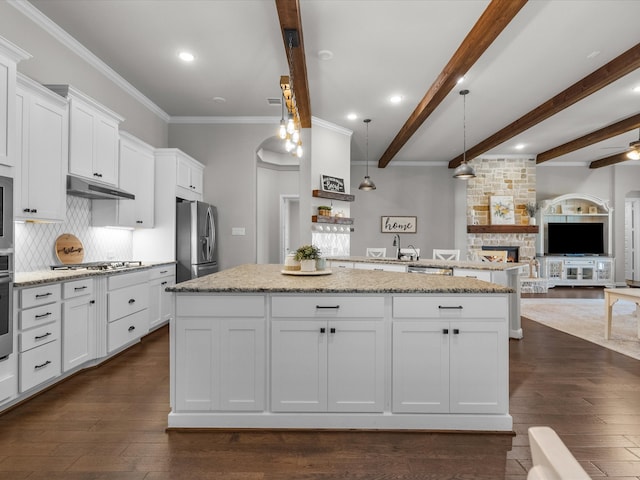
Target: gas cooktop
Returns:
[110, 265]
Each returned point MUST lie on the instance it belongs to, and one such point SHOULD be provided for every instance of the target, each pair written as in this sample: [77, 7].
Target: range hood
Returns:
[81, 187]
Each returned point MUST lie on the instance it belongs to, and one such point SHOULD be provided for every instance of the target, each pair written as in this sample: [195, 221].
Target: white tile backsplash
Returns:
[34, 242]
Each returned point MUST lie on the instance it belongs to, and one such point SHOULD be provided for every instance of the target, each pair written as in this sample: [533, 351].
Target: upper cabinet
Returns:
[10, 55]
[42, 151]
[136, 175]
[188, 173]
[93, 137]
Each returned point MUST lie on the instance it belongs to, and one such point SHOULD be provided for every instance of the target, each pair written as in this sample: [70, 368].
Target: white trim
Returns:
[13, 51]
[564, 164]
[72, 44]
[330, 126]
[403, 164]
[224, 120]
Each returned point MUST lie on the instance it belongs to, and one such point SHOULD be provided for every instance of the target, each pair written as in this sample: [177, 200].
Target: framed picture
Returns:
[331, 184]
[501, 210]
[398, 224]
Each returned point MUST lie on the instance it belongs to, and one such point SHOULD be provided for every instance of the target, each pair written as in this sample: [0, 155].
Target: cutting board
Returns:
[69, 249]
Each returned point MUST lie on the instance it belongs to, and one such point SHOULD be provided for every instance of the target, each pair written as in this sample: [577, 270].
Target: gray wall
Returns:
[53, 63]
[424, 192]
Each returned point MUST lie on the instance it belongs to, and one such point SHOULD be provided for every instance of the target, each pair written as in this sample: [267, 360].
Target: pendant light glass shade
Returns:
[464, 171]
[367, 184]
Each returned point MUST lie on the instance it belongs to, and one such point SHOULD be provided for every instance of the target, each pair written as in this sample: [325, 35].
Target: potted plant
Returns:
[307, 256]
[531, 209]
[324, 210]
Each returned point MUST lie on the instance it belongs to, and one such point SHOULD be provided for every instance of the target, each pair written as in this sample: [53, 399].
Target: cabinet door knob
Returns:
[445, 331]
[132, 328]
[456, 331]
[132, 300]
[323, 330]
[92, 302]
[332, 330]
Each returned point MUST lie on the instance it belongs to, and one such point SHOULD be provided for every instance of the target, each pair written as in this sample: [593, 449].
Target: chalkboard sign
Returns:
[331, 184]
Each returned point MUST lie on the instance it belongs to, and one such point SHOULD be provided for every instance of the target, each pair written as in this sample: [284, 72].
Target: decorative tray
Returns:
[303, 274]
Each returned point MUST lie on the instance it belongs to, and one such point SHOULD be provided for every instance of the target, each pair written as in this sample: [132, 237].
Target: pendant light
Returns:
[367, 184]
[464, 171]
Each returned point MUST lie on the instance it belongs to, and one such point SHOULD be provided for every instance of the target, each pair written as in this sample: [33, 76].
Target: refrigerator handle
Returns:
[210, 234]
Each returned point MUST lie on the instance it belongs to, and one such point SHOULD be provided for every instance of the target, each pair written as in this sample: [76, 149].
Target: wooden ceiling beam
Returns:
[605, 133]
[289, 16]
[490, 24]
[605, 75]
[608, 161]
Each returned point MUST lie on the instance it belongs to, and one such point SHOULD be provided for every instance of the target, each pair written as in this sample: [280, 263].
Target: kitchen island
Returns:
[252, 347]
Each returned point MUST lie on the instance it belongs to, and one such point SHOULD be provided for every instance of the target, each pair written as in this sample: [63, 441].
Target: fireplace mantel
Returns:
[502, 229]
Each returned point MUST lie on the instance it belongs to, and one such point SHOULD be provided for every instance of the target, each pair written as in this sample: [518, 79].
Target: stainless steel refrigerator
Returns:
[196, 247]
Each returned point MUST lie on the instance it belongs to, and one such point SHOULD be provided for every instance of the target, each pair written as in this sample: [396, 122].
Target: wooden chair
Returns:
[493, 255]
[551, 459]
[378, 252]
[442, 254]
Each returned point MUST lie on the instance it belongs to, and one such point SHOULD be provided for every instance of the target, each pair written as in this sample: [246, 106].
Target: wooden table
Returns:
[611, 296]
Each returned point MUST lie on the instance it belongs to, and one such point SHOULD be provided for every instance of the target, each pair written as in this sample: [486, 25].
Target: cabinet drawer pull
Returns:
[26, 210]
[332, 330]
[331, 306]
[139, 221]
[132, 328]
[323, 330]
[379, 269]
[41, 295]
[445, 331]
[91, 302]
[456, 331]
[163, 283]
[132, 300]
[42, 365]
[99, 175]
[163, 271]
[77, 289]
[43, 315]
[444, 307]
[34, 210]
[40, 337]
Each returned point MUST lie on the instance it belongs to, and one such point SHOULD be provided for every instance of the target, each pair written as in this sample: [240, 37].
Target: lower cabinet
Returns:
[78, 323]
[161, 303]
[449, 357]
[338, 346]
[221, 354]
[127, 308]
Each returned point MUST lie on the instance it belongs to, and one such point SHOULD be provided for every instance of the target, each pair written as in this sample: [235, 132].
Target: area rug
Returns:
[584, 318]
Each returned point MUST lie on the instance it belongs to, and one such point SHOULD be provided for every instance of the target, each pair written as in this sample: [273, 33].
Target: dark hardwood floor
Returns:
[109, 423]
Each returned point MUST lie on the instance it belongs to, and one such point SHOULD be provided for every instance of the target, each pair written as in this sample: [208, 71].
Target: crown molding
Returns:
[403, 164]
[224, 120]
[44, 22]
[330, 126]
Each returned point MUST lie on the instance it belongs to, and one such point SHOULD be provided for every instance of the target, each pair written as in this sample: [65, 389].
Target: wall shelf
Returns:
[335, 220]
[345, 197]
[502, 229]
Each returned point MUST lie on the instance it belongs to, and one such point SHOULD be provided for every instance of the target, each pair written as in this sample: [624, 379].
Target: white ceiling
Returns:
[380, 48]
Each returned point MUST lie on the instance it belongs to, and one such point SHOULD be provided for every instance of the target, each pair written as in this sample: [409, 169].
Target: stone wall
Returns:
[501, 176]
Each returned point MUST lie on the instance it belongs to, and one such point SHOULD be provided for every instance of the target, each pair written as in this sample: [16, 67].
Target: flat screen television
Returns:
[575, 238]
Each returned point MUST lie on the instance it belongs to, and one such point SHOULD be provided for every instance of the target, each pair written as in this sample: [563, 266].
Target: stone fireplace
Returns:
[515, 177]
[512, 251]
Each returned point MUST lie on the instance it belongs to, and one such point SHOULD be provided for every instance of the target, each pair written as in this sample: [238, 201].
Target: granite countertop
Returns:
[499, 266]
[269, 279]
[41, 277]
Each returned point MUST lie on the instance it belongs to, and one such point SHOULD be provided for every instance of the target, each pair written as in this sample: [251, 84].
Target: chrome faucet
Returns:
[396, 243]
[415, 251]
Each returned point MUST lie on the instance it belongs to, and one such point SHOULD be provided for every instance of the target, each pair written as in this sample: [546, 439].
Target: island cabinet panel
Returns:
[454, 359]
[330, 358]
[220, 354]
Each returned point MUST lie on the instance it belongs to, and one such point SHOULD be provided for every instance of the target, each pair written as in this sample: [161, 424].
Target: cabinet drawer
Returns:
[319, 306]
[127, 329]
[454, 306]
[31, 297]
[384, 267]
[126, 301]
[125, 280]
[220, 306]
[77, 288]
[34, 317]
[337, 264]
[479, 274]
[38, 336]
[39, 364]
[164, 271]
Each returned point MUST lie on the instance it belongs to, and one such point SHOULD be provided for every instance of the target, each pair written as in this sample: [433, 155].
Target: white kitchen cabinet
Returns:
[42, 151]
[189, 175]
[221, 356]
[136, 175]
[338, 347]
[78, 323]
[161, 302]
[38, 335]
[93, 137]
[10, 56]
[8, 378]
[450, 355]
[127, 309]
[381, 267]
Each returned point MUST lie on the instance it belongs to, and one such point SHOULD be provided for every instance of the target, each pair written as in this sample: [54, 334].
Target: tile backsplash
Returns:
[34, 242]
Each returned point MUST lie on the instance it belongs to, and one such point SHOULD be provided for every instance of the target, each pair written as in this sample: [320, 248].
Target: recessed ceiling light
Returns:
[519, 146]
[636, 89]
[186, 56]
[593, 54]
[219, 99]
[325, 54]
[395, 98]
[352, 116]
